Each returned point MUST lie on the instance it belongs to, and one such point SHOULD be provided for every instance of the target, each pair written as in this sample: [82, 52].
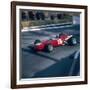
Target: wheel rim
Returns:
[74, 41]
[50, 48]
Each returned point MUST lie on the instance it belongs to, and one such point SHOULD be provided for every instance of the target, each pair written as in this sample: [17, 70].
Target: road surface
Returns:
[33, 64]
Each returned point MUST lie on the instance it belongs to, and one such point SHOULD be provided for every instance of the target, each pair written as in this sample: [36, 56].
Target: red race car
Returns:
[59, 40]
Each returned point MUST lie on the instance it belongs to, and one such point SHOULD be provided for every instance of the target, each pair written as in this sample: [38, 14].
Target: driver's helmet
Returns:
[57, 36]
[62, 33]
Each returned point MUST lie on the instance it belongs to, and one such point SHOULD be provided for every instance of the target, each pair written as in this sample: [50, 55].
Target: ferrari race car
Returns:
[60, 40]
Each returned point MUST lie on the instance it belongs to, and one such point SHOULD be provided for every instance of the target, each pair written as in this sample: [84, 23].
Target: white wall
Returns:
[5, 44]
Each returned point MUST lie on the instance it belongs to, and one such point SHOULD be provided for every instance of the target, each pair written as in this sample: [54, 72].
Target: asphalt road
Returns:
[33, 64]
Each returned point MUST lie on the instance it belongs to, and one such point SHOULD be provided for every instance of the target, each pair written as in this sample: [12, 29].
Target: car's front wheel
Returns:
[49, 48]
[37, 41]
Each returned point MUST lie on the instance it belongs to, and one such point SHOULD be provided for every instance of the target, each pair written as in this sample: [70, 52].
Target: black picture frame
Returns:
[13, 44]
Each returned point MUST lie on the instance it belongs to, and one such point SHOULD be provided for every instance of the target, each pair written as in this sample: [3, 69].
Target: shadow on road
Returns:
[30, 50]
[62, 67]
[65, 67]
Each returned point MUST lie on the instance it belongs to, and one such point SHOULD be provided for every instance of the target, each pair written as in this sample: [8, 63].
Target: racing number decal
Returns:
[60, 41]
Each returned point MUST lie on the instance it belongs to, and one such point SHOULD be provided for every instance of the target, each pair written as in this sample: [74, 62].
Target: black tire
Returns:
[49, 48]
[37, 41]
[72, 41]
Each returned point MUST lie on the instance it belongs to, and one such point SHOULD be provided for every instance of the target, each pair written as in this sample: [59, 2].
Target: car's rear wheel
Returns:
[72, 41]
[49, 48]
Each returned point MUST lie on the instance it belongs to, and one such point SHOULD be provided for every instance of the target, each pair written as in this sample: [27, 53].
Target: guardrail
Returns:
[50, 26]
